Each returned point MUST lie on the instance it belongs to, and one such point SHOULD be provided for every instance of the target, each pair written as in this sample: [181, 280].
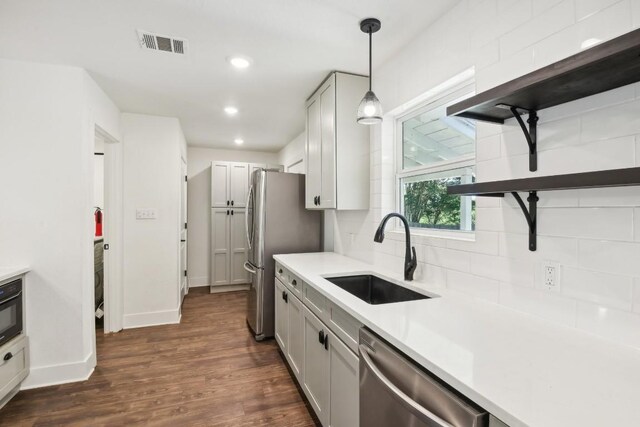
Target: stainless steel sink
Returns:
[375, 290]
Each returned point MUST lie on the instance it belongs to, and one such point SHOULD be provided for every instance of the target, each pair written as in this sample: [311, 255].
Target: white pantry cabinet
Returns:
[326, 368]
[337, 147]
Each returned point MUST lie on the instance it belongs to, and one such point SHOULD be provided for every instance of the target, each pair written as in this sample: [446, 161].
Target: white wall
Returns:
[293, 156]
[152, 172]
[48, 116]
[592, 233]
[199, 203]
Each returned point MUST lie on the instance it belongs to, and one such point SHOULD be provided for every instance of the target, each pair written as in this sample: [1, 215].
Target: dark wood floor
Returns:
[207, 370]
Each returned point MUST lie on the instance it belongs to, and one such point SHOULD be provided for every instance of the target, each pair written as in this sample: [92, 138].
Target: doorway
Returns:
[184, 282]
[107, 213]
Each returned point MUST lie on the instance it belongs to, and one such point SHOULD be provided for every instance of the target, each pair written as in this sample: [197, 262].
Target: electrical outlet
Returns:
[551, 276]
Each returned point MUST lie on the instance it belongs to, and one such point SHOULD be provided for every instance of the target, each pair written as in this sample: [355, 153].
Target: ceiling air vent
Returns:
[159, 42]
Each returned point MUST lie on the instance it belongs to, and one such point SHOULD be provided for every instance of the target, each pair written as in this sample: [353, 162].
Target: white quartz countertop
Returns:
[524, 370]
[9, 272]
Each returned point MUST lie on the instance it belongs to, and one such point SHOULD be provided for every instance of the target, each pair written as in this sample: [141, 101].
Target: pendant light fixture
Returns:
[370, 110]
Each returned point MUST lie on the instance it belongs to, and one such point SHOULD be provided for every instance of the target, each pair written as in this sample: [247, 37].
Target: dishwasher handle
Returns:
[411, 404]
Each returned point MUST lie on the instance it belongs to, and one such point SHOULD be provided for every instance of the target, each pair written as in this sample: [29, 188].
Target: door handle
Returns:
[247, 267]
[246, 216]
[418, 410]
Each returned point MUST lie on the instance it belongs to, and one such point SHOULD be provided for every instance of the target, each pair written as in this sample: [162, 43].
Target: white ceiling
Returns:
[293, 44]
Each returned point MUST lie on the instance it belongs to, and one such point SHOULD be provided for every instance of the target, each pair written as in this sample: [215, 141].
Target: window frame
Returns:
[463, 90]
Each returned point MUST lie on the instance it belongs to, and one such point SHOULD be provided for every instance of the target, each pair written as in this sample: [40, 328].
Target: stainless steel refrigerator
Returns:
[276, 223]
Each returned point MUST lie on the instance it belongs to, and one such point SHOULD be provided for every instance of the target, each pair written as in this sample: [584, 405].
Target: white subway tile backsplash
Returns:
[615, 196]
[636, 224]
[505, 70]
[476, 286]
[621, 326]
[543, 25]
[510, 270]
[593, 223]
[448, 258]
[549, 306]
[586, 8]
[484, 242]
[611, 22]
[540, 6]
[635, 14]
[611, 257]
[609, 290]
[612, 122]
[559, 249]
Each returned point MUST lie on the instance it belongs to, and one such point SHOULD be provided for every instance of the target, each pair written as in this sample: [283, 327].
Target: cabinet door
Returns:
[295, 351]
[314, 159]
[239, 184]
[344, 385]
[220, 184]
[254, 167]
[328, 150]
[220, 251]
[238, 246]
[282, 316]
[316, 366]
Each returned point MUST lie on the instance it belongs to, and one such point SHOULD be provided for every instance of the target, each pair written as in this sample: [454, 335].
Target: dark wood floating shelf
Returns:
[606, 66]
[573, 181]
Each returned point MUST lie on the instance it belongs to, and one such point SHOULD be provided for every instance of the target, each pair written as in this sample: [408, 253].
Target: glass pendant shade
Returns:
[370, 110]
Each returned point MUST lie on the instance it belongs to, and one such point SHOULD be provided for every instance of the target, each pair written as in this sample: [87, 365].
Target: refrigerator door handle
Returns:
[247, 266]
[246, 215]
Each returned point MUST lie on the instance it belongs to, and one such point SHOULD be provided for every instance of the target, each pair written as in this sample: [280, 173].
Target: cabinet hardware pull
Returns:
[280, 271]
[227, 211]
[8, 356]
[232, 203]
[294, 283]
[227, 203]
[326, 342]
[285, 296]
[321, 337]
[231, 211]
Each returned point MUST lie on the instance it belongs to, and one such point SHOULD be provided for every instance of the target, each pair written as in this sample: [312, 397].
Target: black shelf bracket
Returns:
[530, 133]
[530, 215]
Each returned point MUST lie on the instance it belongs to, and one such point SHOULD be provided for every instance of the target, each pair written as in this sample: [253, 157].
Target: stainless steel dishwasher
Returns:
[396, 392]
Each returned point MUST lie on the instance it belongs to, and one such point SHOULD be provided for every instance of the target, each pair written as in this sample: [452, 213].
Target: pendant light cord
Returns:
[370, 45]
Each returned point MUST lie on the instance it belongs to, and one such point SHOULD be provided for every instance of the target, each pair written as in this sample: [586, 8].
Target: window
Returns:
[435, 151]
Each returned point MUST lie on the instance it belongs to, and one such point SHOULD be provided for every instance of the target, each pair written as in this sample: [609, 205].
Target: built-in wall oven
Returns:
[10, 310]
[394, 391]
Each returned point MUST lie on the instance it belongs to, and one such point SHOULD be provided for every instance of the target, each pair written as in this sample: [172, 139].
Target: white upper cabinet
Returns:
[220, 184]
[239, 184]
[337, 147]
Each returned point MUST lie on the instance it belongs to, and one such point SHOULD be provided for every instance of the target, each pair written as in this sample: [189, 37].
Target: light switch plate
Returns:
[146, 213]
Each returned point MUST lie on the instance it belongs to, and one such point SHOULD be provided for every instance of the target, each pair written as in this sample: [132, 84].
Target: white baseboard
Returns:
[196, 282]
[154, 318]
[43, 376]
[227, 288]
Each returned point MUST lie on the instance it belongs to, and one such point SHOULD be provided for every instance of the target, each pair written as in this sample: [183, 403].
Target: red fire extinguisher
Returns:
[98, 219]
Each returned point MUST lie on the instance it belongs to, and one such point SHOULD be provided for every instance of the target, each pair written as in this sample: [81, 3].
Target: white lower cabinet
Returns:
[344, 386]
[282, 317]
[316, 366]
[326, 368]
[295, 350]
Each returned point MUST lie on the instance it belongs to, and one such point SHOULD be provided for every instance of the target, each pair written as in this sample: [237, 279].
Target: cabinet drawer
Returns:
[316, 302]
[281, 273]
[344, 326]
[14, 370]
[295, 285]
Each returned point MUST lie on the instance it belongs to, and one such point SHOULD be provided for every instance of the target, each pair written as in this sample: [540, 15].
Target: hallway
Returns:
[206, 371]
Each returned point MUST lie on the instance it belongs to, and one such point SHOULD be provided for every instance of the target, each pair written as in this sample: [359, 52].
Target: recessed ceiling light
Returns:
[239, 141]
[239, 61]
[232, 111]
